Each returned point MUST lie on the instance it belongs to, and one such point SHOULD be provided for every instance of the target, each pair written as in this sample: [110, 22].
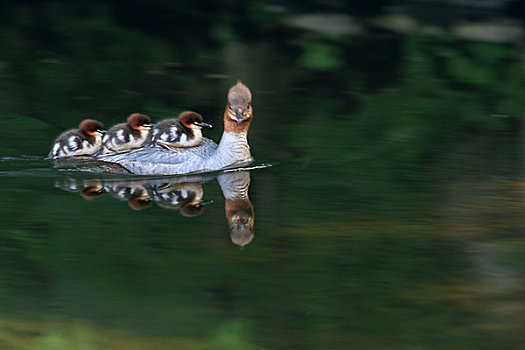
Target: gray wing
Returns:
[161, 161]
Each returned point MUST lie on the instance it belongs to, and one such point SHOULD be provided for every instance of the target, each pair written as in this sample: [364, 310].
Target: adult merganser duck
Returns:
[232, 151]
[183, 132]
[129, 135]
[86, 140]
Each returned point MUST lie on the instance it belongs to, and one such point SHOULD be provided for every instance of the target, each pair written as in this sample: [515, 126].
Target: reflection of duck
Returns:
[232, 151]
[129, 135]
[86, 140]
[183, 132]
[239, 209]
[181, 193]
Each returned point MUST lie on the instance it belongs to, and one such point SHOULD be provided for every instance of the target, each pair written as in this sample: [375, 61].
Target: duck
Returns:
[186, 131]
[232, 151]
[84, 141]
[129, 135]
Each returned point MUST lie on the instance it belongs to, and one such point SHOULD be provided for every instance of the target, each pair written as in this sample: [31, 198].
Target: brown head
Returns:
[239, 111]
[139, 121]
[91, 127]
[192, 120]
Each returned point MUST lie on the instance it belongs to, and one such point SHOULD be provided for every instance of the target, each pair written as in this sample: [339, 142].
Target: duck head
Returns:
[239, 111]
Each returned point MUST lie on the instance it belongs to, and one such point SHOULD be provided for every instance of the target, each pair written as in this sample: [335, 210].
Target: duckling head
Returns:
[91, 127]
[192, 120]
[139, 121]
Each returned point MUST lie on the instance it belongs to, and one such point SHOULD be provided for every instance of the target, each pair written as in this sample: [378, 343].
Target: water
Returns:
[384, 209]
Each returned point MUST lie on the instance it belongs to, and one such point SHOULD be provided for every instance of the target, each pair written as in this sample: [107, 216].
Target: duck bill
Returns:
[239, 115]
[206, 125]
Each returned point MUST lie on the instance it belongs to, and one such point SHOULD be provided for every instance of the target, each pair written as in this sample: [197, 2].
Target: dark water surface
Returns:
[391, 217]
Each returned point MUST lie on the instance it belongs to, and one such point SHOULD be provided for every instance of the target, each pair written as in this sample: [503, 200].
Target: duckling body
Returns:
[129, 135]
[86, 140]
[182, 132]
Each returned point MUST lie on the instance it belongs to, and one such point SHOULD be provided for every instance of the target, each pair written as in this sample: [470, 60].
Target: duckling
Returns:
[86, 140]
[182, 132]
[129, 135]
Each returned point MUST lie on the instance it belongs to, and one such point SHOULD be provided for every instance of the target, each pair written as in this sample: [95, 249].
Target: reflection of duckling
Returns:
[136, 194]
[129, 135]
[193, 207]
[92, 192]
[182, 132]
[86, 140]
[186, 197]
[88, 188]
[140, 202]
[70, 185]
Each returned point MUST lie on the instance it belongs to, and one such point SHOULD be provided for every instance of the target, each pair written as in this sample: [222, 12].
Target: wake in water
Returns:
[21, 158]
